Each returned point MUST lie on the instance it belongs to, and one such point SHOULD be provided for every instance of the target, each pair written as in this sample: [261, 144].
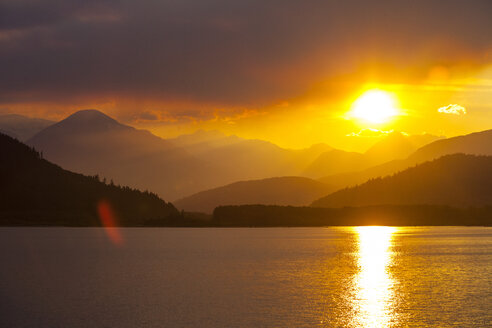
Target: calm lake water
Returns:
[273, 277]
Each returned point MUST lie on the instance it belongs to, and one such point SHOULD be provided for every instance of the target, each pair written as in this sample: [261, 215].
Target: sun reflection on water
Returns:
[374, 296]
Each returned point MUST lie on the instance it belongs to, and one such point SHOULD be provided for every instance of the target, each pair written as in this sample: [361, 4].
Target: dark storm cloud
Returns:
[22, 14]
[228, 52]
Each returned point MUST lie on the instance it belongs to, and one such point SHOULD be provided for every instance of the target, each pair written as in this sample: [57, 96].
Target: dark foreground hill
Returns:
[455, 180]
[34, 191]
[297, 191]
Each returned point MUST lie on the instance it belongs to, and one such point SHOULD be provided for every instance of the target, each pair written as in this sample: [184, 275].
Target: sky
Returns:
[285, 71]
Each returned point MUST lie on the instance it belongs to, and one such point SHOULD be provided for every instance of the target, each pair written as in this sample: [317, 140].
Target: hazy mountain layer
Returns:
[245, 159]
[392, 147]
[337, 161]
[479, 143]
[22, 127]
[90, 142]
[202, 141]
[397, 146]
[275, 191]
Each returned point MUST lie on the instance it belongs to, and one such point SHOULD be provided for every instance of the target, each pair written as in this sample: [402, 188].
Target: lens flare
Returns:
[109, 222]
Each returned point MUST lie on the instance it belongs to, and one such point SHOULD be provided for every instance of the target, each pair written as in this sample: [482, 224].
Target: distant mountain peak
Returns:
[86, 121]
[89, 115]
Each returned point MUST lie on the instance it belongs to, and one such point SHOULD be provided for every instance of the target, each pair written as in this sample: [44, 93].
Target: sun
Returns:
[374, 106]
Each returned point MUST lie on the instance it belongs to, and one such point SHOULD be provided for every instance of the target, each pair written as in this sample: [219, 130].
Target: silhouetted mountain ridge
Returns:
[36, 192]
[454, 180]
[477, 143]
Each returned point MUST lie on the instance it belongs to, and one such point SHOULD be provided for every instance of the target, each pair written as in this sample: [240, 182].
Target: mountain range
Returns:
[246, 159]
[91, 142]
[208, 169]
[478, 143]
[394, 146]
[200, 166]
[475, 143]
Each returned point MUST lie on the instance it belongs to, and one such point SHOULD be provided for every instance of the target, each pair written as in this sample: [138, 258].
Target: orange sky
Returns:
[283, 71]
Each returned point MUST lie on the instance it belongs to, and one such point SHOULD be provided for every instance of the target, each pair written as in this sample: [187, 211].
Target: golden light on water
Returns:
[374, 106]
[374, 297]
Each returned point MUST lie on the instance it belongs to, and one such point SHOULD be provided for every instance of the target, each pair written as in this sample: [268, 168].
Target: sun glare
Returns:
[374, 106]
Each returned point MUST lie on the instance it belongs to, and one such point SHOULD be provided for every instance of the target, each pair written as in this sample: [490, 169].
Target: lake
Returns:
[246, 277]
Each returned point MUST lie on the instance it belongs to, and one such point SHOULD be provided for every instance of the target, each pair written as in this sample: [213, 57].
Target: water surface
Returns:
[272, 277]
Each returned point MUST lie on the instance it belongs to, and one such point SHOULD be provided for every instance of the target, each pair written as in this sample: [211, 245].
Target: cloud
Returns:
[27, 14]
[147, 116]
[151, 116]
[454, 109]
[369, 133]
[228, 54]
[184, 116]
